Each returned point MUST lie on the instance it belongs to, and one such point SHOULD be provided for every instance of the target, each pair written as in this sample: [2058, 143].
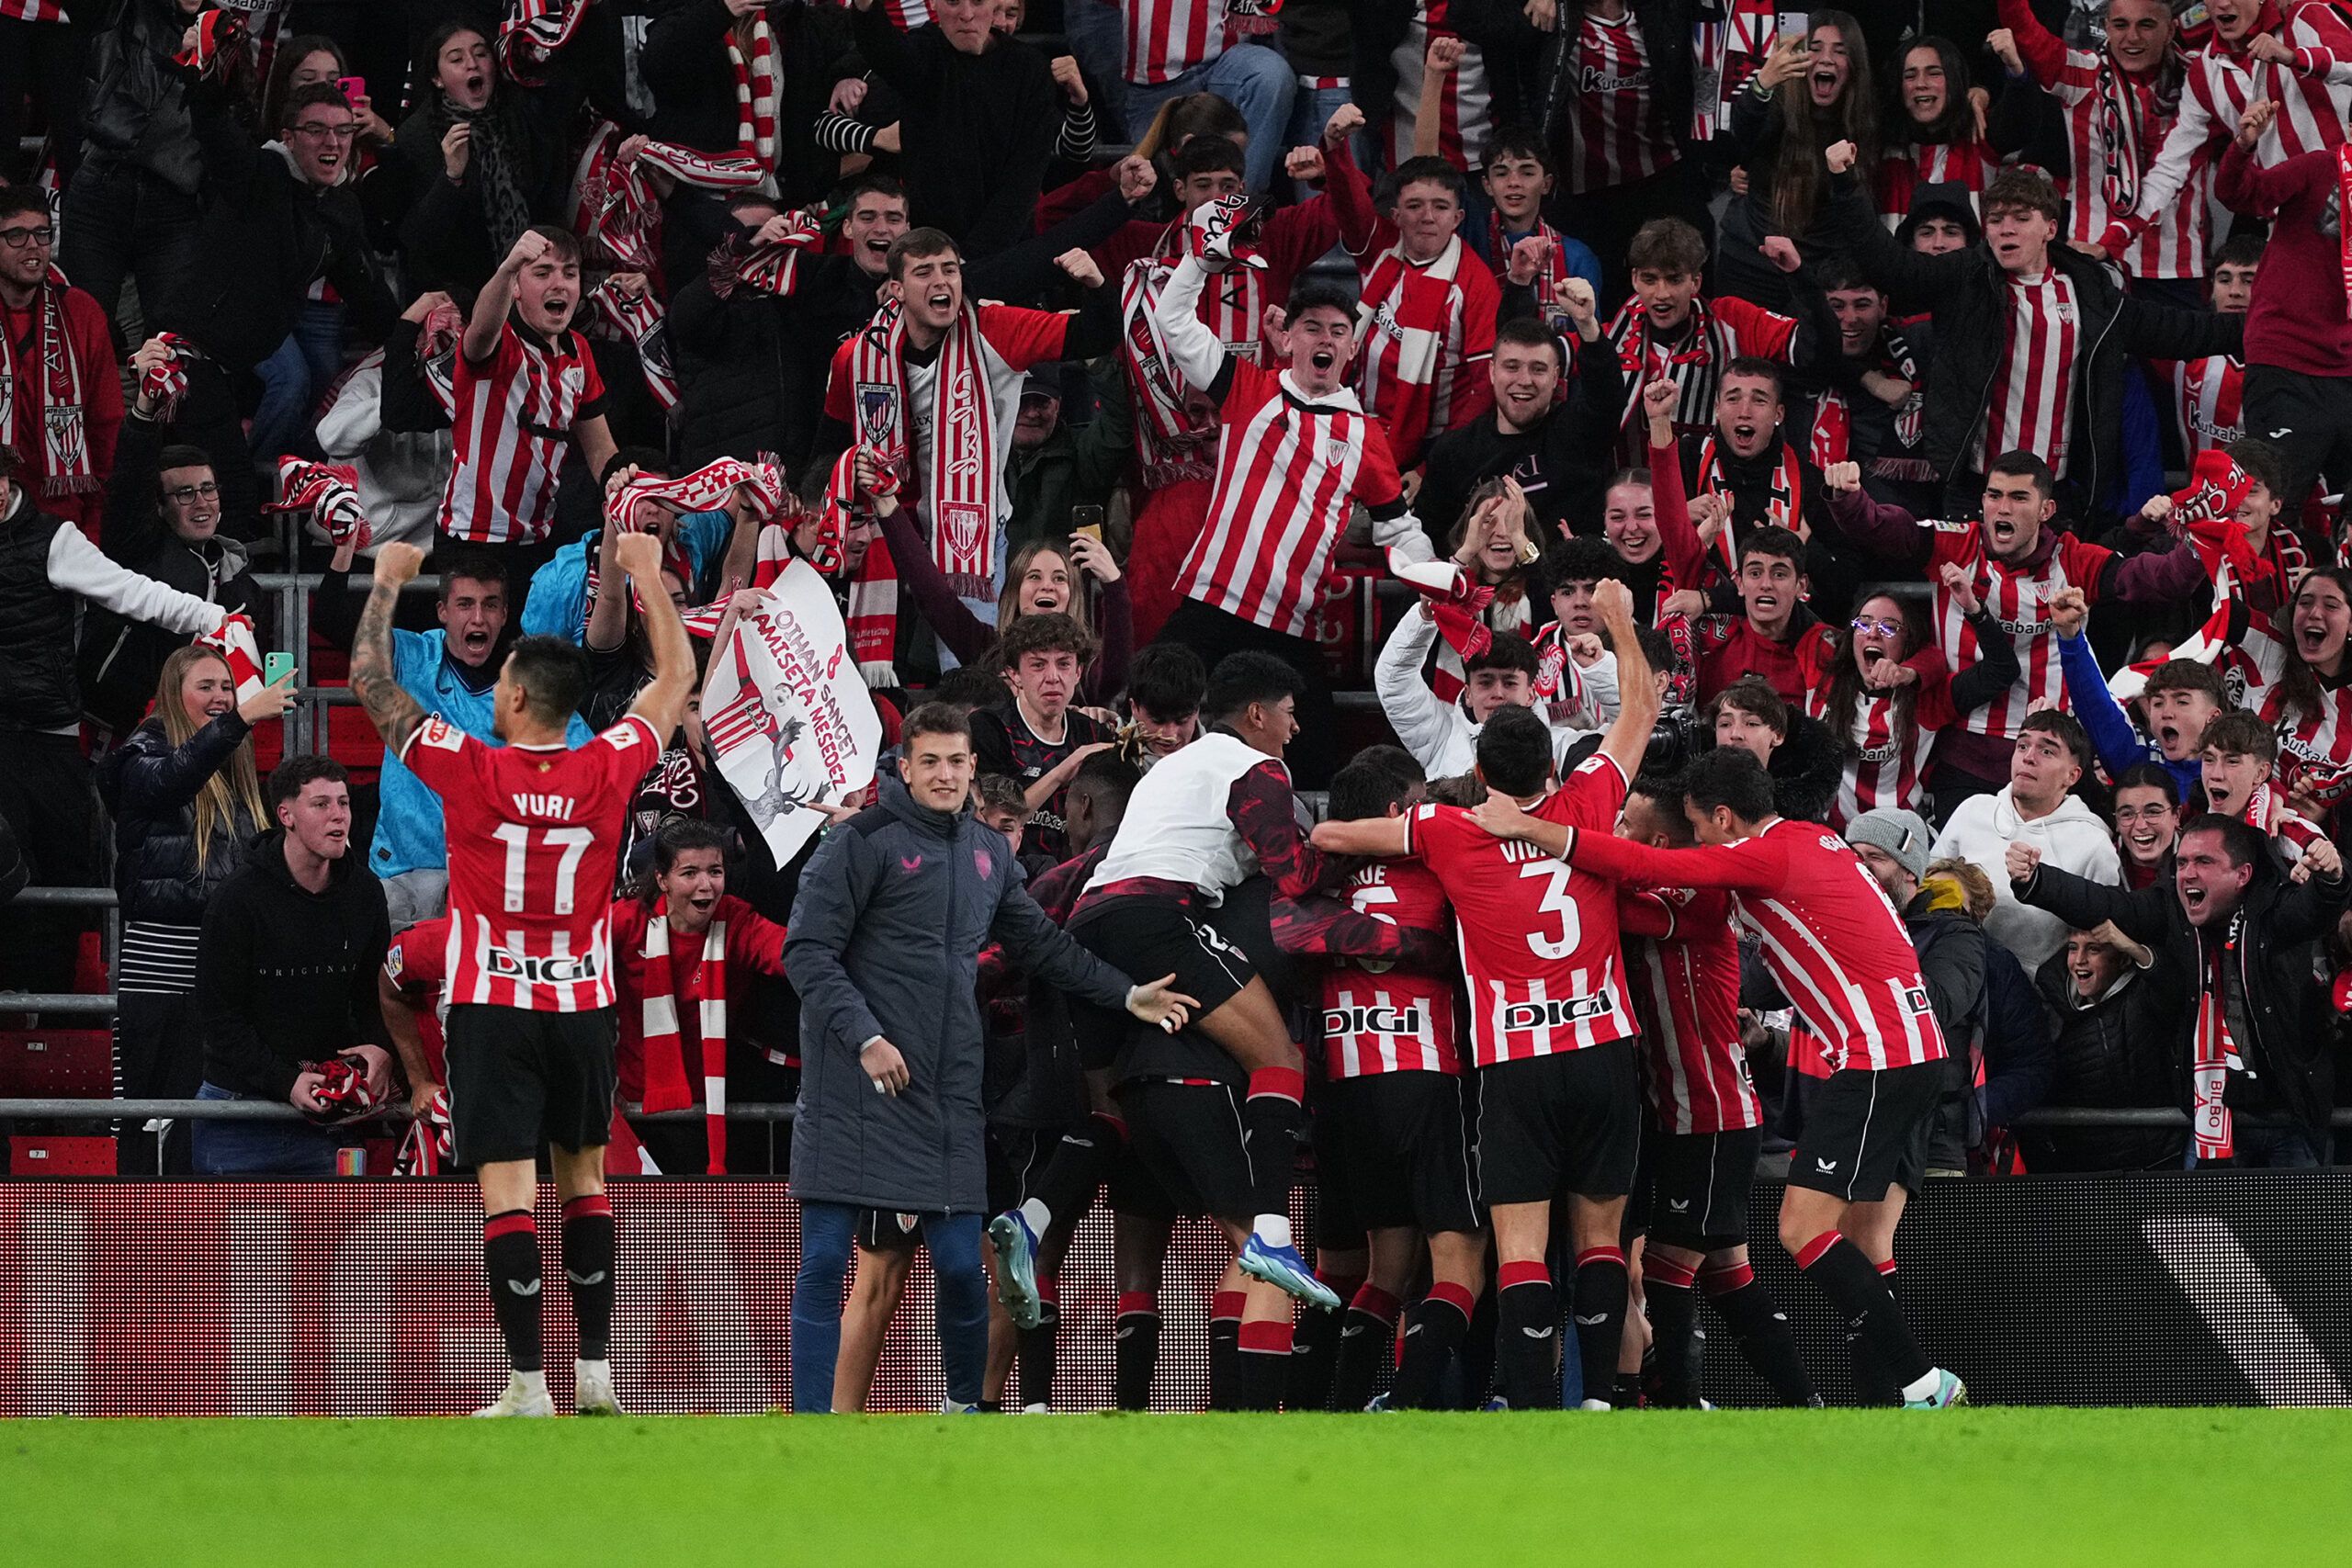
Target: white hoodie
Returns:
[2070, 838]
[1440, 735]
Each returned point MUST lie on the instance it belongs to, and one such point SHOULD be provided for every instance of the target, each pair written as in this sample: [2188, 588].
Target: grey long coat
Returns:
[886, 937]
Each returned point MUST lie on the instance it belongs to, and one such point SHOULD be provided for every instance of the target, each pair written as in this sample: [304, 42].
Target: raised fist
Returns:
[1527, 258]
[1304, 165]
[1659, 397]
[1842, 476]
[1079, 267]
[1137, 178]
[1345, 121]
[1840, 156]
[1445, 54]
[1576, 302]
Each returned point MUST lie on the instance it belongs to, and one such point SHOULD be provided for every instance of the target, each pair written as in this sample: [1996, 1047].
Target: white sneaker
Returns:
[1596, 1405]
[1036, 1410]
[593, 1388]
[526, 1394]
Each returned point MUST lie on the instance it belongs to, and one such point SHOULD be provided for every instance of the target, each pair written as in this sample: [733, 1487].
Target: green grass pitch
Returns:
[2133, 1488]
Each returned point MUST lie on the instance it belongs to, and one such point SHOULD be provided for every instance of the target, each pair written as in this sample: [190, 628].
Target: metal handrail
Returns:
[66, 897]
[2052, 1118]
[100, 1002]
[72, 1109]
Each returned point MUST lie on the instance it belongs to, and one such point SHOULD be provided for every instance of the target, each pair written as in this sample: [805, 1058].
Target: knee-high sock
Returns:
[510, 1260]
[1666, 1288]
[1860, 1293]
[1601, 1287]
[1761, 1330]
[1261, 1363]
[1366, 1336]
[1434, 1330]
[1271, 1119]
[1064, 1189]
[588, 1270]
[1224, 1349]
[1315, 1345]
[1138, 1347]
[1038, 1350]
[1527, 1337]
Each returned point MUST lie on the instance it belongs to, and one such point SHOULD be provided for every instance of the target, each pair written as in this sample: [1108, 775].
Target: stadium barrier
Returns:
[363, 1297]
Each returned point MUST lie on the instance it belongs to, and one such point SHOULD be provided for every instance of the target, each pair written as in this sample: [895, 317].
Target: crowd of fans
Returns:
[1085, 348]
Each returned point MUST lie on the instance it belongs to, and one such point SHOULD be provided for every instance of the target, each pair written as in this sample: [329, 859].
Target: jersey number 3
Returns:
[1556, 901]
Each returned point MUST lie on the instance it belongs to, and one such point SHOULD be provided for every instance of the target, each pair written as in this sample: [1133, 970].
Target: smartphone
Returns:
[1087, 520]
[353, 87]
[1795, 24]
[275, 667]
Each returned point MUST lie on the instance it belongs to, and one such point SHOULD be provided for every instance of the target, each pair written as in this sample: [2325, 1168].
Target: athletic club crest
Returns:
[877, 413]
[1335, 451]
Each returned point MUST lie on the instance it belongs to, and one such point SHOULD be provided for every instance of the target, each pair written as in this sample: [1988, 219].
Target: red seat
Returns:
[61, 1156]
[60, 1064]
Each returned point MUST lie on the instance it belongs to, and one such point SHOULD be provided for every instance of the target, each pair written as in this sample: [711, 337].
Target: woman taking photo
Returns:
[187, 803]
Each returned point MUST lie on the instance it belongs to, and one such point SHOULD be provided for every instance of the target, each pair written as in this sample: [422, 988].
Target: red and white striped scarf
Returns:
[771, 268]
[1168, 448]
[1551, 274]
[2343, 206]
[706, 489]
[329, 493]
[665, 1073]
[872, 618]
[165, 383]
[2209, 1073]
[640, 318]
[33, 11]
[1402, 322]
[54, 376]
[758, 91]
[430, 1143]
[1781, 500]
[959, 473]
[532, 31]
[237, 643]
[217, 34]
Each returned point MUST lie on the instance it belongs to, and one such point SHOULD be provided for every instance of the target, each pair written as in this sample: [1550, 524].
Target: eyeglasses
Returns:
[340, 132]
[1868, 624]
[187, 495]
[18, 239]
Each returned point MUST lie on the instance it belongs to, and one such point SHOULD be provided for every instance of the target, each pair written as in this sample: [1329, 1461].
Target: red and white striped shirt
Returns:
[1883, 767]
[33, 11]
[2033, 385]
[514, 417]
[2020, 598]
[1685, 982]
[1288, 473]
[1427, 335]
[2315, 749]
[1615, 132]
[2116, 123]
[907, 15]
[1830, 937]
[2314, 96]
[535, 840]
[1391, 1019]
[1539, 940]
[1466, 103]
[1167, 38]
[2209, 398]
[1903, 170]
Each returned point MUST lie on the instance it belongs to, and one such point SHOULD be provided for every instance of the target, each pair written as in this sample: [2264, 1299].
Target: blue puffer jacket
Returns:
[886, 938]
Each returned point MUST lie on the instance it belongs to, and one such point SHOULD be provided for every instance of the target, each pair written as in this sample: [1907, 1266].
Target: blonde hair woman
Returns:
[186, 803]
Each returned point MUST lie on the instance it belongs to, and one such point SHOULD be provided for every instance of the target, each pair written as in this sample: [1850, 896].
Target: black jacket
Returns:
[285, 976]
[684, 63]
[1806, 771]
[1563, 461]
[1971, 323]
[2280, 925]
[265, 235]
[2120, 1052]
[150, 789]
[446, 235]
[120, 660]
[136, 111]
[978, 129]
[37, 686]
